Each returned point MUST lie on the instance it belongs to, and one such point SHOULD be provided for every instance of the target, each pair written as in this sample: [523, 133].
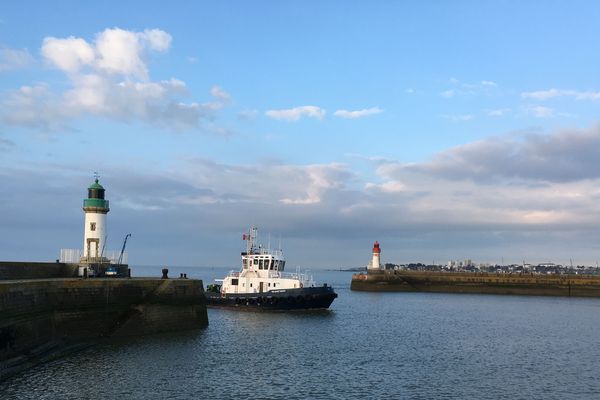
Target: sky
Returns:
[444, 130]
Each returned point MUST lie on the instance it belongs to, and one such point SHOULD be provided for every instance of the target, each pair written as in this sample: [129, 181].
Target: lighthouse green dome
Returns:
[95, 201]
[96, 185]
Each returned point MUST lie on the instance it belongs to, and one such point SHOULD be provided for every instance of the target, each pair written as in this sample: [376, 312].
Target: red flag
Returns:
[244, 237]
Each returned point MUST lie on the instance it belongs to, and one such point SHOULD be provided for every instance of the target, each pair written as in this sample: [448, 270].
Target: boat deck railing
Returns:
[304, 277]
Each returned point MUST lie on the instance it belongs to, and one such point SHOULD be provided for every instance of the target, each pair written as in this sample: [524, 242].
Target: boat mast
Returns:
[251, 240]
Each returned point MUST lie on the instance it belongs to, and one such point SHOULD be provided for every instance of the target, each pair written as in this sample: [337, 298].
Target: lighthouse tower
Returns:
[95, 208]
[375, 264]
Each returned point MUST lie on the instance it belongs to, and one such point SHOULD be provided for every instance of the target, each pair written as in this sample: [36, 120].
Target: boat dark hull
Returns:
[286, 299]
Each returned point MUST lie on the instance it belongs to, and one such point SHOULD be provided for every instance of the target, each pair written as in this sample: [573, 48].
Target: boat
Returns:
[263, 285]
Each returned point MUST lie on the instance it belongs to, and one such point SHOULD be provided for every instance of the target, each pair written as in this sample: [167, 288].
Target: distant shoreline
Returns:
[356, 269]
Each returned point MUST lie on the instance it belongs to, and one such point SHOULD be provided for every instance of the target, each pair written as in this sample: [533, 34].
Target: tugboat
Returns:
[262, 283]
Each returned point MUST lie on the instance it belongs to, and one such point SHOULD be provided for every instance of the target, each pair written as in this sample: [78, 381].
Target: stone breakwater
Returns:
[36, 270]
[471, 282]
[42, 319]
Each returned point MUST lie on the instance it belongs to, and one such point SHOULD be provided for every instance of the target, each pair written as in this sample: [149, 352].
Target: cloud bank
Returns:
[524, 192]
[564, 156]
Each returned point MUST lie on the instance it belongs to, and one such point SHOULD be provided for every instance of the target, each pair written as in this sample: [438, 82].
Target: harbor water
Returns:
[368, 345]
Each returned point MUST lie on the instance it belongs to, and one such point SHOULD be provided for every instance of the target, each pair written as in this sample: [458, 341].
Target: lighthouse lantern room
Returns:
[95, 208]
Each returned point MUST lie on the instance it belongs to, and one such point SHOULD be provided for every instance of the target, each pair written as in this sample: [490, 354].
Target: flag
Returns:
[244, 237]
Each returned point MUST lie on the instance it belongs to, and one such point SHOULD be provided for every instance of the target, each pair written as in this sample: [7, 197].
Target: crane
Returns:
[123, 248]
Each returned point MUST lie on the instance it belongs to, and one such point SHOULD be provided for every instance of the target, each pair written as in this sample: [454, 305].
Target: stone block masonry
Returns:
[475, 282]
[42, 319]
[36, 270]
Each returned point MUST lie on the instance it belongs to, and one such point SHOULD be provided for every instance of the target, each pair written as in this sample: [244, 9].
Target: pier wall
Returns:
[485, 283]
[43, 319]
[36, 270]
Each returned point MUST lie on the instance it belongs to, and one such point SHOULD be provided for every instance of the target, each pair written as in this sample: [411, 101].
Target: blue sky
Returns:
[445, 130]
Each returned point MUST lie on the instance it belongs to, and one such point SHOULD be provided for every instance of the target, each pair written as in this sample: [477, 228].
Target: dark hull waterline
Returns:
[279, 300]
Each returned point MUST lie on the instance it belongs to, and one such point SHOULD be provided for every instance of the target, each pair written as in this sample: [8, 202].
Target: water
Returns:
[369, 345]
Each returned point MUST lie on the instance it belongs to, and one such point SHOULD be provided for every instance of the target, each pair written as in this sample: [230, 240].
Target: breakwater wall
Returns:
[36, 270]
[485, 283]
[42, 319]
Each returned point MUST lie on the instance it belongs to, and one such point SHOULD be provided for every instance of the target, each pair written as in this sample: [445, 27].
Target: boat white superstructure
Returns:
[262, 271]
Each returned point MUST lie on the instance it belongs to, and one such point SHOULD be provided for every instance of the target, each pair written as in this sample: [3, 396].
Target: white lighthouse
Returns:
[375, 263]
[95, 208]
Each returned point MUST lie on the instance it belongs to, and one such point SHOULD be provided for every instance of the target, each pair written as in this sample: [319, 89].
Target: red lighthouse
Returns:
[375, 263]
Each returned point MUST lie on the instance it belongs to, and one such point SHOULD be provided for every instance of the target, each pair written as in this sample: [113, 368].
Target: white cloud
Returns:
[109, 79]
[119, 52]
[409, 91]
[11, 59]
[459, 88]
[157, 39]
[554, 93]
[488, 83]
[220, 94]
[539, 111]
[115, 51]
[358, 113]
[69, 54]
[294, 114]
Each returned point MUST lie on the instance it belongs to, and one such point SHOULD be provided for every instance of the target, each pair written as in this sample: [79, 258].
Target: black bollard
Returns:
[165, 273]
[85, 273]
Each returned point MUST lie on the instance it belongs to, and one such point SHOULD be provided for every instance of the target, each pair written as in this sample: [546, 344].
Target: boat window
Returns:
[245, 263]
[256, 261]
[282, 266]
[250, 285]
[234, 281]
[271, 264]
[260, 264]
